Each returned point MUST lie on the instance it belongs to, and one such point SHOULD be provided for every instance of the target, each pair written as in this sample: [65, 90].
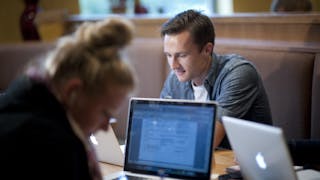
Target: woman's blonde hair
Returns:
[92, 54]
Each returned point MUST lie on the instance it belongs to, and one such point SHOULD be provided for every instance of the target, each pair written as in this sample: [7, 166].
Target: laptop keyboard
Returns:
[128, 177]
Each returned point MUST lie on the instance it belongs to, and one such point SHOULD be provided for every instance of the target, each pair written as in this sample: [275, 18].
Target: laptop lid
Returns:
[171, 138]
[107, 147]
[260, 149]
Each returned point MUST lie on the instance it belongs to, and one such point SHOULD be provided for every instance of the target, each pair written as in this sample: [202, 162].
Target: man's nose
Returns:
[174, 63]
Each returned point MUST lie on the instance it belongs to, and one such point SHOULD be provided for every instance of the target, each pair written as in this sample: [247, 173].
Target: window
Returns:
[155, 7]
[88, 7]
[171, 7]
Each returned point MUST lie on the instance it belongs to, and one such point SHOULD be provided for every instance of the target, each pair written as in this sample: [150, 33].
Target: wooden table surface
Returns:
[222, 159]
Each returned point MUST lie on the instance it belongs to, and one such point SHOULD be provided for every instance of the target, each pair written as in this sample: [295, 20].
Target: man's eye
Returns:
[182, 55]
[106, 113]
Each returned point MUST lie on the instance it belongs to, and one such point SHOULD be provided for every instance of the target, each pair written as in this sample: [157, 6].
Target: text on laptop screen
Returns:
[171, 137]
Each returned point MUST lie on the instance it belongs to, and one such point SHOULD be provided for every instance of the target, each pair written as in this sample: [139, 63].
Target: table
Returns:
[222, 159]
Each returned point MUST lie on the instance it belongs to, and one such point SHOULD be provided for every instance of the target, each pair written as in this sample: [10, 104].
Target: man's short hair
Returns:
[198, 25]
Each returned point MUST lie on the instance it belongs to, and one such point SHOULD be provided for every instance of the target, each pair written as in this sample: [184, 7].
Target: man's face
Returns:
[185, 58]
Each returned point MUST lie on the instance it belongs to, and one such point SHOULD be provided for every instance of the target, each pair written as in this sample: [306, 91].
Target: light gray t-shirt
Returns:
[200, 93]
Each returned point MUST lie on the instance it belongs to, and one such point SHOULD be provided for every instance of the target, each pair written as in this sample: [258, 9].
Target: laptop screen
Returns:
[170, 138]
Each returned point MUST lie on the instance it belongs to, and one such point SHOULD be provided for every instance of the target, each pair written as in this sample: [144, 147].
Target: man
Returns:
[198, 73]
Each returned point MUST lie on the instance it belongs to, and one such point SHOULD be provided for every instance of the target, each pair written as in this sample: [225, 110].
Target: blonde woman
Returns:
[48, 114]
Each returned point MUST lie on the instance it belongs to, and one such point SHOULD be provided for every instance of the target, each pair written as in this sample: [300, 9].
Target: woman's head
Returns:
[87, 73]
[92, 54]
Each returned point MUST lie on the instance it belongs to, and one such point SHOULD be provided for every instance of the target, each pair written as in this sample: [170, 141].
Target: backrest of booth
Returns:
[144, 54]
[291, 76]
[315, 105]
[13, 58]
[288, 79]
[148, 60]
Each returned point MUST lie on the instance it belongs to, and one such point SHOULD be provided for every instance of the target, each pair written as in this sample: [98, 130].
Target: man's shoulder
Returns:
[175, 89]
[231, 61]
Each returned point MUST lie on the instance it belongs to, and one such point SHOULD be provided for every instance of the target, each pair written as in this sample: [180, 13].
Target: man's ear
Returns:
[208, 48]
[70, 90]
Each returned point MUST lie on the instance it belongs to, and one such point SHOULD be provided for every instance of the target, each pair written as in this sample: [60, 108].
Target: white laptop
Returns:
[261, 151]
[107, 147]
[168, 138]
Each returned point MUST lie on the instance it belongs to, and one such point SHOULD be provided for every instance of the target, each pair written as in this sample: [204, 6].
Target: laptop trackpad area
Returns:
[308, 174]
[129, 176]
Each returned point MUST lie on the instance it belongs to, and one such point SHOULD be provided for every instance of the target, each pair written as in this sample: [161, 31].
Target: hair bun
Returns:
[111, 32]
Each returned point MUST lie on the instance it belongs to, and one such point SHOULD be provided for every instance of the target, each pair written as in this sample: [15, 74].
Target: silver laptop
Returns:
[107, 147]
[168, 138]
[261, 151]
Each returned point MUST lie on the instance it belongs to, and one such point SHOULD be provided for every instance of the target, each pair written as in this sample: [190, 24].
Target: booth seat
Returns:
[290, 72]
[291, 75]
[145, 55]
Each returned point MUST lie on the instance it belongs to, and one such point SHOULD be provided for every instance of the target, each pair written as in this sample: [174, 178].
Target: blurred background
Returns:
[51, 16]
